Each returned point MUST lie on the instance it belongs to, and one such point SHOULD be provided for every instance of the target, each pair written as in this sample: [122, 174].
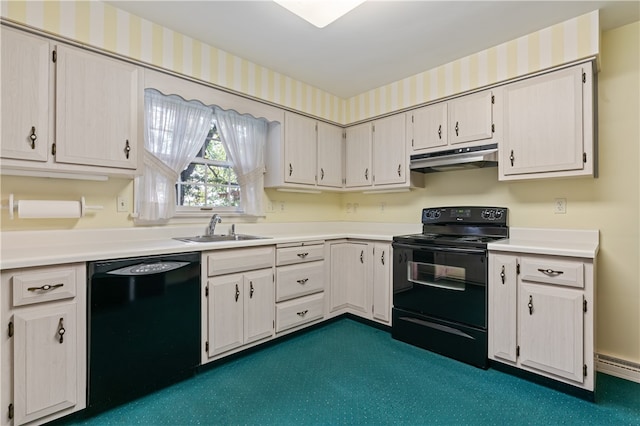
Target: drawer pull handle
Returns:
[382, 257]
[550, 272]
[251, 290]
[237, 292]
[303, 281]
[45, 287]
[127, 149]
[502, 274]
[530, 305]
[61, 330]
[303, 255]
[303, 313]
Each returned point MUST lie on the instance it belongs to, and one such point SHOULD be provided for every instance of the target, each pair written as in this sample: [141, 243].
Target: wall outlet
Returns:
[560, 206]
[349, 207]
[123, 204]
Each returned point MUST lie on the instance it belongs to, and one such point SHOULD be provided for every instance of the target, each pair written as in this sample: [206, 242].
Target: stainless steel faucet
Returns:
[215, 219]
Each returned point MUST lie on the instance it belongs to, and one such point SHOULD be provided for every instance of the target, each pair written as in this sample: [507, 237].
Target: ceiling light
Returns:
[320, 12]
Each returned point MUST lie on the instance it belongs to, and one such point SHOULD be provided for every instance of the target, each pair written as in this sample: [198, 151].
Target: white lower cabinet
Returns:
[239, 301]
[299, 284]
[44, 350]
[541, 315]
[361, 279]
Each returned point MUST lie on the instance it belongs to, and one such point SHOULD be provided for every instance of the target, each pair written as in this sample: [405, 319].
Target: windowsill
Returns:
[188, 217]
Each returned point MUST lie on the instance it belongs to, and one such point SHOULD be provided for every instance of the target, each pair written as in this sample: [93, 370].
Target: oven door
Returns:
[441, 282]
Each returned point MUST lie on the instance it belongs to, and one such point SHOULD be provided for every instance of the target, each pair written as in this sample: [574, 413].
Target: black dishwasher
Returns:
[143, 326]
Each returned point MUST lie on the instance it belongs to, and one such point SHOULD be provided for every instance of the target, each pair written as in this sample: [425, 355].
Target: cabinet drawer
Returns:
[299, 254]
[559, 272]
[299, 311]
[239, 260]
[299, 280]
[36, 285]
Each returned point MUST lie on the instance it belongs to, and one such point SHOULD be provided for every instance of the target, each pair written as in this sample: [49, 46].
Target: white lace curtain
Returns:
[245, 138]
[175, 130]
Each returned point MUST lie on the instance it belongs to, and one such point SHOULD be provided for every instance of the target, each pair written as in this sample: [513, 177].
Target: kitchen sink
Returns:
[219, 238]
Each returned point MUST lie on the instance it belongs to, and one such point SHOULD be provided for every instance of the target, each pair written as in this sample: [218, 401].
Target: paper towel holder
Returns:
[13, 205]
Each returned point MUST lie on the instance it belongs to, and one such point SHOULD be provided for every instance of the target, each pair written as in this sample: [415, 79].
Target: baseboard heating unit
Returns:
[618, 367]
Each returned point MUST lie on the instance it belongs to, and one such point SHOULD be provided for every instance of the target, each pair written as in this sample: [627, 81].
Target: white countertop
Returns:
[583, 243]
[34, 248]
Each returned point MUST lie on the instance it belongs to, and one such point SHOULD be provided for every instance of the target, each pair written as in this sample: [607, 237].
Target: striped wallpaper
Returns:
[103, 26]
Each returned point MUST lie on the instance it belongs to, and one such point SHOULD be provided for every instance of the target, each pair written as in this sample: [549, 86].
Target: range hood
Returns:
[459, 158]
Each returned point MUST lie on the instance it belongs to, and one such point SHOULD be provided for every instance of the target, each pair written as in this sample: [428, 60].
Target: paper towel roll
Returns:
[44, 209]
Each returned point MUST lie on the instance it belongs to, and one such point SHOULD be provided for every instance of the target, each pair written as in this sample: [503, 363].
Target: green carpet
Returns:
[349, 373]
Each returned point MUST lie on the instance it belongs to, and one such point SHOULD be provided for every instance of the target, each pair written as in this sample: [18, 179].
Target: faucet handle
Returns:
[232, 230]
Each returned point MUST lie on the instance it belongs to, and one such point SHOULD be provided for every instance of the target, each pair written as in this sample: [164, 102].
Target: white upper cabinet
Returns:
[305, 154]
[91, 123]
[358, 156]
[299, 149]
[96, 110]
[471, 118]
[330, 155]
[25, 96]
[429, 127]
[548, 126]
[389, 150]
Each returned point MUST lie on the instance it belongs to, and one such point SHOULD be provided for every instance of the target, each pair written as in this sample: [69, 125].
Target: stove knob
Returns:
[436, 214]
[498, 214]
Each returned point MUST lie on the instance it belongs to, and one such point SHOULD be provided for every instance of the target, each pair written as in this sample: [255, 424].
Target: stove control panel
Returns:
[444, 215]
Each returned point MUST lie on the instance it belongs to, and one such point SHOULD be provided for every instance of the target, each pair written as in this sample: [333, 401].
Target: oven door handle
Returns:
[454, 286]
[438, 248]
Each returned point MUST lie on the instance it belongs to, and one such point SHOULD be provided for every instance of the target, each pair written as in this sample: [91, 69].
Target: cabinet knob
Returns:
[303, 281]
[457, 128]
[250, 289]
[321, 173]
[33, 137]
[511, 157]
[301, 314]
[382, 257]
[45, 287]
[366, 174]
[530, 305]
[440, 131]
[502, 274]
[127, 149]
[362, 256]
[302, 255]
[399, 169]
[290, 169]
[237, 292]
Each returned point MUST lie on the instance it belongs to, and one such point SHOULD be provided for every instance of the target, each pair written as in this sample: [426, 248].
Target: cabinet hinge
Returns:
[53, 149]
[584, 370]
[517, 351]
[411, 142]
[584, 157]
[10, 331]
[11, 411]
[54, 56]
[316, 127]
[273, 324]
[584, 77]
[206, 346]
[517, 269]
[493, 128]
[373, 128]
[412, 118]
[206, 291]
[493, 99]
[273, 278]
[584, 306]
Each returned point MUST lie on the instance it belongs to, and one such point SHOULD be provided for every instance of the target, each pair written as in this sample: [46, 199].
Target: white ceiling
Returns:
[377, 43]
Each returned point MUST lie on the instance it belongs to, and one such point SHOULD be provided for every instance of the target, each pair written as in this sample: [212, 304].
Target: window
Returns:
[209, 181]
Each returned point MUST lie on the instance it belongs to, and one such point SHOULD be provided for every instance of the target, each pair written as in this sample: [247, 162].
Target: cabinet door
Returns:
[45, 348]
[502, 307]
[429, 125]
[25, 96]
[349, 278]
[330, 158]
[225, 313]
[96, 110]
[471, 118]
[259, 305]
[551, 327]
[382, 282]
[300, 149]
[389, 150]
[543, 125]
[358, 156]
